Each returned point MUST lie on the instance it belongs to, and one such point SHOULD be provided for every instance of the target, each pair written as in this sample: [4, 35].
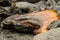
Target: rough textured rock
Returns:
[54, 25]
[30, 6]
[7, 35]
[53, 34]
[43, 20]
[43, 4]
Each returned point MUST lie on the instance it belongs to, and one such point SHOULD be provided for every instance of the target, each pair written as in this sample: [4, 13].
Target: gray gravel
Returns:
[7, 35]
[53, 34]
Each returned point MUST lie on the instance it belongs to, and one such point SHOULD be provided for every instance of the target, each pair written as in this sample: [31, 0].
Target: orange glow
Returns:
[45, 18]
[46, 23]
[54, 13]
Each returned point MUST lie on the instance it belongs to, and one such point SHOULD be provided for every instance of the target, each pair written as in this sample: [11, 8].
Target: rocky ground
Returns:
[36, 5]
[50, 35]
[7, 35]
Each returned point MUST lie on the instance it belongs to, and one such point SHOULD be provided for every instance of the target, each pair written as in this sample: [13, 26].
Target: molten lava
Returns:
[42, 18]
[39, 20]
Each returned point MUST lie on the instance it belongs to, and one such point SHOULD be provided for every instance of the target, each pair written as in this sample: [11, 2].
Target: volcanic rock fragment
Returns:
[40, 18]
[27, 5]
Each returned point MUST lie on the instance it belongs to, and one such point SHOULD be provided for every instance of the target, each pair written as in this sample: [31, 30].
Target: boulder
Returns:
[53, 34]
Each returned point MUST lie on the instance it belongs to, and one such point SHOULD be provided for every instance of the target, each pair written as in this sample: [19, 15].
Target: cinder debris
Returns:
[15, 14]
